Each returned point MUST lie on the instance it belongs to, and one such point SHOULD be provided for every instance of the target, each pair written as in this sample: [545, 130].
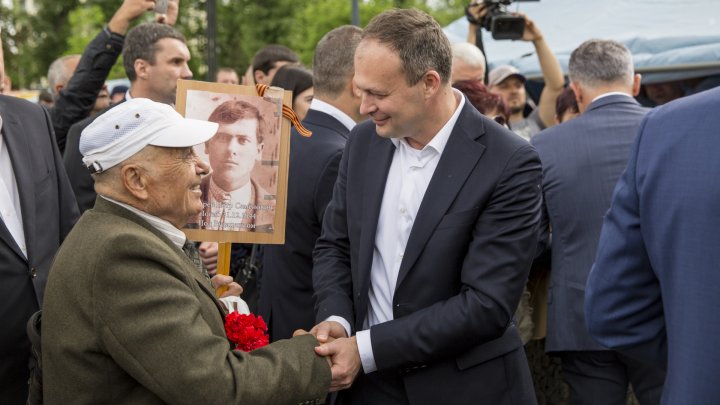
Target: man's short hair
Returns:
[58, 71]
[225, 70]
[232, 111]
[334, 60]
[418, 40]
[598, 62]
[266, 58]
[468, 53]
[141, 43]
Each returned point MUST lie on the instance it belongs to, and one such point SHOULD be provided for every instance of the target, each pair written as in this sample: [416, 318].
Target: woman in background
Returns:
[298, 80]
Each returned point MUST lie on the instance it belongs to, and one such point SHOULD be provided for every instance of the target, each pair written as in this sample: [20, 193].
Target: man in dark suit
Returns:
[429, 236]
[128, 317]
[286, 298]
[37, 210]
[653, 289]
[582, 160]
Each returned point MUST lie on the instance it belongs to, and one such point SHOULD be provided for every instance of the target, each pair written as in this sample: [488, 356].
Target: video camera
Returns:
[498, 20]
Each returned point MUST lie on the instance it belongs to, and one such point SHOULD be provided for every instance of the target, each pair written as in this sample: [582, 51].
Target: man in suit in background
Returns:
[428, 239]
[128, 317]
[653, 289]
[286, 298]
[154, 57]
[37, 210]
[582, 160]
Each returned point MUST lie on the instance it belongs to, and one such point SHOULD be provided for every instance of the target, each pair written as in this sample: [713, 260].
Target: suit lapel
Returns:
[458, 160]
[19, 151]
[378, 160]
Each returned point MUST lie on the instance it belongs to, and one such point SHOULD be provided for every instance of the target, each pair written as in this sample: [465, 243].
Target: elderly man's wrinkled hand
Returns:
[209, 256]
[233, 288]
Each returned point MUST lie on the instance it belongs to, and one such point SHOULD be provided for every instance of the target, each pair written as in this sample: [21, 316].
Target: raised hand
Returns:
[128, 11]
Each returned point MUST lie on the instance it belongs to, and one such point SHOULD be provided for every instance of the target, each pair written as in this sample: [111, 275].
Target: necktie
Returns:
[192, 252]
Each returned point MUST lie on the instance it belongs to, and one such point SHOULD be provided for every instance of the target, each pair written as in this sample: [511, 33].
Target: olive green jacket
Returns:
[128, 320]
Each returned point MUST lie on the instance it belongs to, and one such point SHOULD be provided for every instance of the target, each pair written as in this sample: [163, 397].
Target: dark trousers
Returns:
[386, 388]
[602, 378]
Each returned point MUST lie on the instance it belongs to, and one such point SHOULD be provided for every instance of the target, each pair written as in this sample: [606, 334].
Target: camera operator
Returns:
[507, 81]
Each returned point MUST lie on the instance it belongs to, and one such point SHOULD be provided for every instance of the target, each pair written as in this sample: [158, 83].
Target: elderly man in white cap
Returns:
[128, 317]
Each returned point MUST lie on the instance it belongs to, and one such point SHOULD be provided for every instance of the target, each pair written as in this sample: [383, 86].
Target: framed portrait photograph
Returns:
[245, 192]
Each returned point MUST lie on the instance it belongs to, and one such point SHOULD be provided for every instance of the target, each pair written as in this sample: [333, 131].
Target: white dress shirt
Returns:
[176, 236]
[329, 109]
[10, 212]
[410, 173]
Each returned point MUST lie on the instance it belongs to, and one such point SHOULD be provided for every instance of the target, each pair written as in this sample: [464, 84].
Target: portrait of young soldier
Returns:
[232, 199]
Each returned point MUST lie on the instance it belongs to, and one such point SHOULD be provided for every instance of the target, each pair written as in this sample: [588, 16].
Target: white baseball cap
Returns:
[500, 73]
[129, 127]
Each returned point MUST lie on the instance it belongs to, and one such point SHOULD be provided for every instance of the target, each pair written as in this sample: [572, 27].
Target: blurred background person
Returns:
[655, 94]
[526, 119]
[269, 59]
[45, 98]
[299, 80]
[489, 104]
[101, 102]
[468, 62]
[117, 95]
[566, 106]
[227, 75]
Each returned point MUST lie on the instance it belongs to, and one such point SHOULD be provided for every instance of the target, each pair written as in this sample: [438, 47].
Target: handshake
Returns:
[340, 351]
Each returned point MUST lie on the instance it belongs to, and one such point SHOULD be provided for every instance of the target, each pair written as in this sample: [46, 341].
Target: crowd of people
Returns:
[429, 193]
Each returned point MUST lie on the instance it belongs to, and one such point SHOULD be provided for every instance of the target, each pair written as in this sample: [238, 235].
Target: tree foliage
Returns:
[61, 27]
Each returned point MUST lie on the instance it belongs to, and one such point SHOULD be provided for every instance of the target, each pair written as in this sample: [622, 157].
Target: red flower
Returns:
[248, 332]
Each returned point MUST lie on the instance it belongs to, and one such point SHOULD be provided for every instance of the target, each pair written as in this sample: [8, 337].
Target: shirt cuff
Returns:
[342, 321]
[365, 348]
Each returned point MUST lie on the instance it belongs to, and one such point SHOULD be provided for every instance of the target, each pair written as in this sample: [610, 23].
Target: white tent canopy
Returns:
[669, 39]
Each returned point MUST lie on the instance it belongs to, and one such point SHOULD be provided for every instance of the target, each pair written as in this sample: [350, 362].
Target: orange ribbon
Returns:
[287, 112]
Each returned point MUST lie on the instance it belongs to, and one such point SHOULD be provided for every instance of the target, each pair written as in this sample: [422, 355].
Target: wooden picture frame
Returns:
[256, 211]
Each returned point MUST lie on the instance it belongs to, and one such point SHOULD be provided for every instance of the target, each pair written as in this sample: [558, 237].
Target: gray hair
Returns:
[418, 40]
[141, 43]
[468, 53]
[58, 73]
[598, 62]
[333, 62]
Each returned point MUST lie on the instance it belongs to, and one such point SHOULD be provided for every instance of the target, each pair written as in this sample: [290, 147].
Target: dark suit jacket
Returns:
[81, 181]
[286, 297]
[128, 319]
[48, 211]
[464, 268]
[653, 291]
[582, 160]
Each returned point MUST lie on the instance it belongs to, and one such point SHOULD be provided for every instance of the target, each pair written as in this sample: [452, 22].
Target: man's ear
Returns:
[59, 87]
[135, 181]
[259, 76]
[637, 79]
[431, 83]
[260, 147]
[141, 68]
[578, 94]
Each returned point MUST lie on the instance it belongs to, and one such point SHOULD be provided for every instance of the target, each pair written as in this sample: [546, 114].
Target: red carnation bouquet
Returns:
[247, 331]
